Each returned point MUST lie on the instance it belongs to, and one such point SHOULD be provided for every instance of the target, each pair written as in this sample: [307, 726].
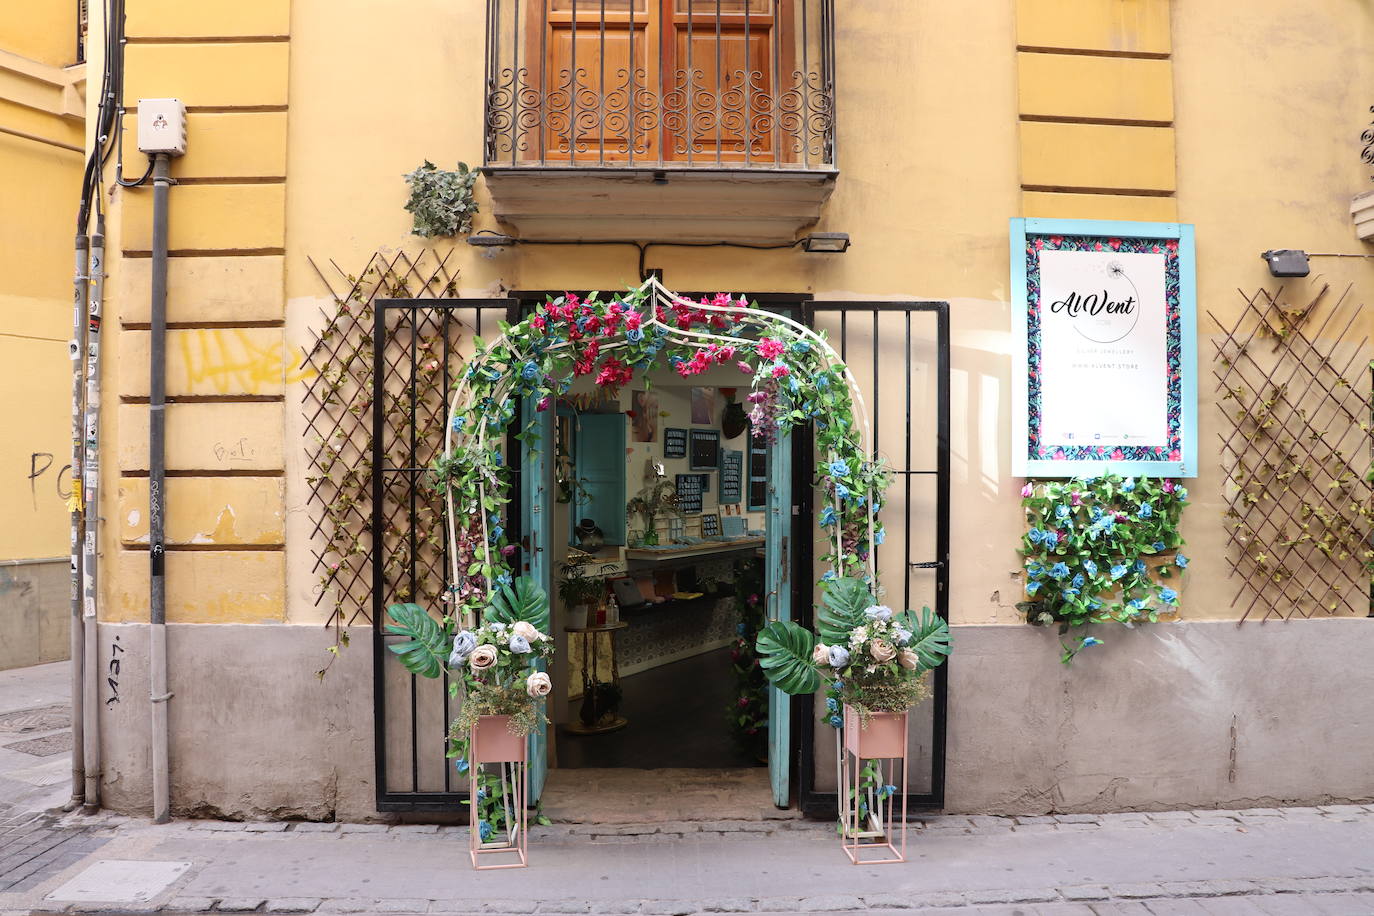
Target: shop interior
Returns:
[658, 583]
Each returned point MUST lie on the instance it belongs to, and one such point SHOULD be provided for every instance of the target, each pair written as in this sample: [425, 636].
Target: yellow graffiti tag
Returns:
[234, 361]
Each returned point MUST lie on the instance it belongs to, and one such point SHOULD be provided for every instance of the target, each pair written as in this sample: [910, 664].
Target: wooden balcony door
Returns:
[648, 81]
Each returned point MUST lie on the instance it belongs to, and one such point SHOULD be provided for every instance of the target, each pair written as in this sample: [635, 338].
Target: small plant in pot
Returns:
[579, 591]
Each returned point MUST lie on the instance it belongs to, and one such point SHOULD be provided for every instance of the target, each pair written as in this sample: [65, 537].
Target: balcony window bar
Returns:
[718, 84]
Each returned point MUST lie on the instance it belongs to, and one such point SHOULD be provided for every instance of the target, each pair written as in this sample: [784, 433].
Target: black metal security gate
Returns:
[899, 355]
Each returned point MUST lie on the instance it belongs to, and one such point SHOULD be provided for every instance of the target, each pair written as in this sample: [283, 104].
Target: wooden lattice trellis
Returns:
[338, 412]
[1294, 388]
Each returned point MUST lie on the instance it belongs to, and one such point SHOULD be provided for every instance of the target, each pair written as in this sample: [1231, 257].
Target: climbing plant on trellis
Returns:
[337, 405]
[1294, 387]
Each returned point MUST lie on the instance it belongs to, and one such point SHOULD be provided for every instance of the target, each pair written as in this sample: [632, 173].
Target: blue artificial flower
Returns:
[530, 371]
[1128, 485]
[740, 628]
[463, 644]
[1061, 512]
[496, 534]
[1070, 593]
[1169, 595]
[838, 656]
[1137, 604]
[1090, 567]
[901, 635]
[829, 576]
[503, 579]
[801, 346]
[1146, 510]
[1089, 641]
[841, 491]
[1118, 571]
[634, 335]
[1182, 493]
[481, 792]
[1035, 571]
[582, 322]
[1032, 588]
[1182, 561]
[839, 468]
[496, 459]
[493, 373]
[461, 764]
[1033, 535]
[458, 423]
[823, 381]
[836, 722]
[484, 831]
[878, 612]
[1078, 580]
[879, 534]
[832, 704]
[1096, 512]
[828, 516]
[519, 644]
[675, 361]
[1094, 604]
[887, 791]
[1158, 546]
[1140, 566]
[1059, 570]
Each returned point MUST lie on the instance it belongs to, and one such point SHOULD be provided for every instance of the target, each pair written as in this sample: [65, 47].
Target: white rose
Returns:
[881, 650]
[483, 657]
[538, 684]
[821, 654]
[526, 630]
[908, 660]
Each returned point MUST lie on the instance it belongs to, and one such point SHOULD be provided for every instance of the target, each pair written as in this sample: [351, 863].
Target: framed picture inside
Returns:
[704, 450]
[674, 442]
[710, 525]
[1106, 342]
[690, 490]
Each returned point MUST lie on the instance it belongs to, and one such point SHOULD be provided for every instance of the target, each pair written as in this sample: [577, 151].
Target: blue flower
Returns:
[1078, 580]
[1090, 567]
[582, 322]
[841, 491]
[496, 459]
[838, 656]
[1035, 571]
[530, 371]
[481, 792]
[739, 628]
[832, 704]
[823, 381]
[839, 468]
[879, 535]
[1158, 546]
[1094, 604]
[675, 361]
[1182, 493]
[887, 791]
[461, 764]
[1070, 593]
[1096, 512]
[634, 335]
[1146, 510]
[1169, 595]
[829, 576]
[458, 423]
[1089, 641]
[1129, 485]
[519, 644]
[1118, 571]
[1033, 535]
[463, 644]
[828, 516]
[503, 579]
[901, 635]
[496, 534]
[1137, 604]
[1182, 561]
[1061, 512]
[1140, 566]
[1059, 570]
[484, 829]
[836, 722]
[878, 612]
[1032, 588]
[801, 346]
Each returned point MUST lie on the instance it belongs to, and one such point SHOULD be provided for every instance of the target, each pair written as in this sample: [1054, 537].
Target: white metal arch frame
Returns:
[655, 294]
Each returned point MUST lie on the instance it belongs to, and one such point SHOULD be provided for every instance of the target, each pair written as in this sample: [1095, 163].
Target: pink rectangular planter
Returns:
[493, 741]
[873, 826]
[883, 735]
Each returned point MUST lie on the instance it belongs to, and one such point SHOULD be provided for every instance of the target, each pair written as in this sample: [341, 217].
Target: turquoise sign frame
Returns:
[1175, 454]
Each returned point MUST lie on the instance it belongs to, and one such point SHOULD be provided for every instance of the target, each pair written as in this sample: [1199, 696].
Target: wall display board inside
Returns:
[710, 525]
[758, 476]
[705, 450]
[1106, 378]
[674, 442]
[690, 489]
[731, 476]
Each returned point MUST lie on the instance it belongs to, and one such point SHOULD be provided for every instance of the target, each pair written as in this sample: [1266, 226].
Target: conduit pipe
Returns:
[78, 636]
[90, 468]
[157, 475]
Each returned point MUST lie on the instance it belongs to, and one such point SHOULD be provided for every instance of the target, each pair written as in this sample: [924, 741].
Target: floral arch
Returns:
[795, 376]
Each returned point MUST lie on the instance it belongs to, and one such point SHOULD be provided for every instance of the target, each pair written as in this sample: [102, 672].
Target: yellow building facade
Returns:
[952, 118]
[42, 114]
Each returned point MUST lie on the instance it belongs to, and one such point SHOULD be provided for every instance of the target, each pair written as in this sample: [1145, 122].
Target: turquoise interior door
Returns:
[777, 563]
[537, 510]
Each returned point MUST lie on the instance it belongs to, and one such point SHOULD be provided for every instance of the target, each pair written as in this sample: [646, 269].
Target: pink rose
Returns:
[483, 657]
[538, 684]
[881, 650]
[1027, 491]
[821, 654]
[908, 659]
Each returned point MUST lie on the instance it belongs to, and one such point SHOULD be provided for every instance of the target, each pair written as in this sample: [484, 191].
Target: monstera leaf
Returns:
[842, 609]
[929, 637]
[429, 643]
[785, 656]
[521, 600]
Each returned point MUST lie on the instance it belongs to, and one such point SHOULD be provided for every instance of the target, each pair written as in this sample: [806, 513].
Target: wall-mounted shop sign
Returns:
[1105, 365]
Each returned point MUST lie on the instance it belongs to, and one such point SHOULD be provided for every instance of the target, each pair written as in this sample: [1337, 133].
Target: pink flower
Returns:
[1175, 455]
[779, 371]
[745, 367]
[1115, 243]
[1118, 455]
[543, 403]
[1168, 486]
[1075, 499]
[539, 322]
[1027, 491]
[769, 348]
[508, 550]
[632, 320]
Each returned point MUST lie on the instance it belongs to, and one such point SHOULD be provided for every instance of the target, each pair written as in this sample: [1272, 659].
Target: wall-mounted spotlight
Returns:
[829, 242]
[1287, 262]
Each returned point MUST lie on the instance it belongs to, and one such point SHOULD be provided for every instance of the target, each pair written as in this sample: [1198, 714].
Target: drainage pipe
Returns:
[78, 635]
[90, 491]
[157, 476]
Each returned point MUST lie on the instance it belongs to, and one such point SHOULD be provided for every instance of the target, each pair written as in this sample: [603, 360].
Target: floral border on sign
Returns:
[1090, 549]
[1172, 450]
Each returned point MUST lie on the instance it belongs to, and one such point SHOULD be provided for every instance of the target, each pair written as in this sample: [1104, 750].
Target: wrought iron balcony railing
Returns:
[660, 84]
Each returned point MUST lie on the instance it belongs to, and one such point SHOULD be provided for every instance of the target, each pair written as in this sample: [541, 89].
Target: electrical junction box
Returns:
[162, 126]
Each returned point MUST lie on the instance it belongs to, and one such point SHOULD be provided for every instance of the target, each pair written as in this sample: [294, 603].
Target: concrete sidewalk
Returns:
[1264, 861]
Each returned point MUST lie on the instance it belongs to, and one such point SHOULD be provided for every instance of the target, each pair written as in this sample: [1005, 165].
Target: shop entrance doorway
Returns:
[899, 354]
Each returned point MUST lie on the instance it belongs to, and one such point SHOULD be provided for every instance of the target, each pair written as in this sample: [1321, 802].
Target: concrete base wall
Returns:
[1151, 719]
[1143, 722]
[35, 612]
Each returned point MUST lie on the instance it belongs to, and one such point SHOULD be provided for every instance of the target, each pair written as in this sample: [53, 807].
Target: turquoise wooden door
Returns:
[777, 563]
[537, 509]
